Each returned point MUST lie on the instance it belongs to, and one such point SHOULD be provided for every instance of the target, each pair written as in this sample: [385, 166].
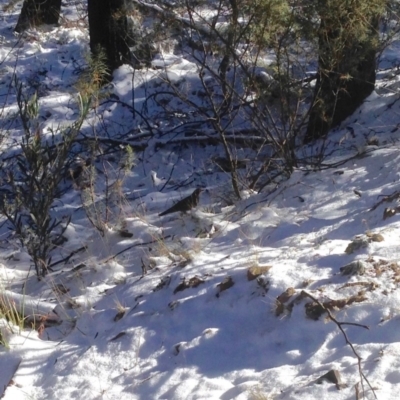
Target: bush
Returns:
[33, 182]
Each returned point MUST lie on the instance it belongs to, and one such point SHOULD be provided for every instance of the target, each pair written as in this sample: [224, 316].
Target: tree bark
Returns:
[345, 77]
[38, 12]
[108, 29]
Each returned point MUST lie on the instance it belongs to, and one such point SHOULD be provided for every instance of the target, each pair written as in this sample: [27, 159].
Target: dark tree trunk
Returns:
[108, 29]
[343, 84]
[38, 12]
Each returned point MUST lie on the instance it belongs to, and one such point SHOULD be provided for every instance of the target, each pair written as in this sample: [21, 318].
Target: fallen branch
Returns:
[66, 259]
[340, 326]
[136, 245]
[386, 199]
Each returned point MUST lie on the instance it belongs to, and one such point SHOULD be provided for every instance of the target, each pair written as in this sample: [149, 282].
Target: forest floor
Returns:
[291, 294]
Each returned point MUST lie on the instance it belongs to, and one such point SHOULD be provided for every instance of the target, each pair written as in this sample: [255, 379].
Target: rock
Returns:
[118, 336]
[314, 310]
[257, 270]
[377, 237]
[282, 299]
[263, 284]
[119, 315]
[354, 268]
[225, 284]
[388, 212]
[164, 282]
[333, 376]
[125, 234]
[356, 244]
[373, 141]
[286, 295]
[191, 283]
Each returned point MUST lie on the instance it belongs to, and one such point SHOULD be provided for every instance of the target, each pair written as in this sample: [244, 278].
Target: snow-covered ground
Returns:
[233, 302]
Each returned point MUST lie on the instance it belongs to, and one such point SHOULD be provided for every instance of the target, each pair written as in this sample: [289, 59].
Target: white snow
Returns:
[206, 341]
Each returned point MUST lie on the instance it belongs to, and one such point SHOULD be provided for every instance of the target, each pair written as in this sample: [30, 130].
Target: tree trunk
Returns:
[108, 29]
[38, 12]
[346, 76]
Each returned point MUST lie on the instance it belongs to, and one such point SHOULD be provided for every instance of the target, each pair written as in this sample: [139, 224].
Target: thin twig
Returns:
[66, 259]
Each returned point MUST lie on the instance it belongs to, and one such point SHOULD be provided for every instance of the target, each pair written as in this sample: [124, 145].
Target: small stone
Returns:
[388, 212]
[354, 268]
[333, 376]
[225, 284]
[173, 304]
[377, 237]
[191, 283]
[125, 234]
[119, 315]
[373, 141]
[286, 295]
[356, 244]
[314, 310]
[257, 270]
[118, 336]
